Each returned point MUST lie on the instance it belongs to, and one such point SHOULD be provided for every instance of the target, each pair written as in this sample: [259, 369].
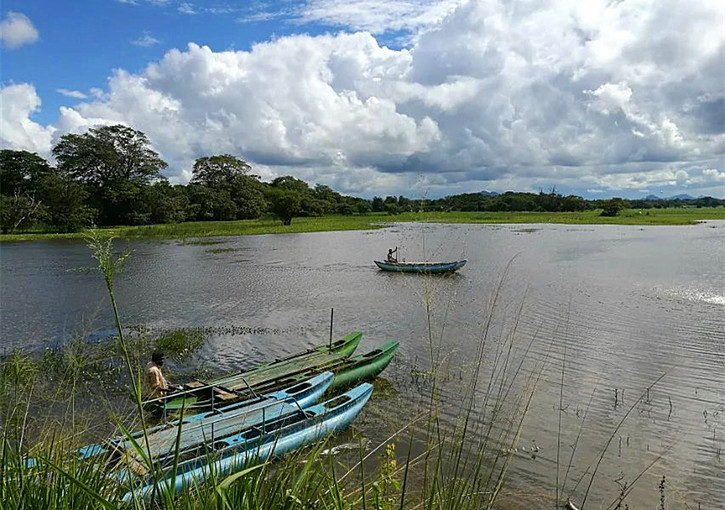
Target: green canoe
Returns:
[348, 371]
[363, 367]
[226, 390]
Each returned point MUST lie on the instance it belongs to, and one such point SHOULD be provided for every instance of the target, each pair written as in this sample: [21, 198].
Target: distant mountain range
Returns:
[682, 196]
[675, 197]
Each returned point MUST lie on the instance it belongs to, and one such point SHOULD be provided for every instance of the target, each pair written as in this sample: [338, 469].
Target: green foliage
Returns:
[180, 344]
[290, 183]
[387, 486]
[39, 195]
[218, 171]
[109, 264]
[209, 204]
[108, 154]
[163, 203]
[18, 210]
[613, 207]
[221, 189]
[285, 203]
[247, 193]
[345, 209]
[64, 201]
[20, 172]
[115, 163]
[392, 208]
[362, 206]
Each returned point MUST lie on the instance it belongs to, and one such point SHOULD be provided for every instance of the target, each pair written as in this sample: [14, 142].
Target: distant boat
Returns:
[421, 267]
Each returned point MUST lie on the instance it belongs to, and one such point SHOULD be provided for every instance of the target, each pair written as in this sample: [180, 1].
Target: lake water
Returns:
[604, 311]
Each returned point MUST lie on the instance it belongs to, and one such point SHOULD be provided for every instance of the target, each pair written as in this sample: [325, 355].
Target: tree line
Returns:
[110, 175]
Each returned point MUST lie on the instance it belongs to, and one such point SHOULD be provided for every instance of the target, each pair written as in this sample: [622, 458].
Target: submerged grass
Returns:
[189, 230]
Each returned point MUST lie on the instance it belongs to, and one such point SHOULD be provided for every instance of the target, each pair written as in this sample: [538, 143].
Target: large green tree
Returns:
[226, 178]
[247, 192]
[108, 154]
[218, 171]
[35, 193]
[287, 196]
[612, 206]
[164, 203]
[206, 204]
[65, 209]
[21, 171]
[285, 203]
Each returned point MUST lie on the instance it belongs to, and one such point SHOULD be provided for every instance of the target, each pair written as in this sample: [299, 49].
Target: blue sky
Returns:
[377, 97]
[82, 41]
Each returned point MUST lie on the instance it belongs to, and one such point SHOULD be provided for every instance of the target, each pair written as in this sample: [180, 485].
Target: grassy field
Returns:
[671, 216]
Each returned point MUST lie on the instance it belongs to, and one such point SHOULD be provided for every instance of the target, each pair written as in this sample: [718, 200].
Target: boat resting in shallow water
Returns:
[347, 371]
[421, 267]
[229, 389]
[275, 437]
[193, 432]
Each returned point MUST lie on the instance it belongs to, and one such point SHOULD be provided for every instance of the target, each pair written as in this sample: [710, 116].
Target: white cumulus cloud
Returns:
[17, 130]
[17, 30]
[497, 95]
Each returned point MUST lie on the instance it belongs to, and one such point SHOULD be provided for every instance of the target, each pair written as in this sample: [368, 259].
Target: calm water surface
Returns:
[612, 308]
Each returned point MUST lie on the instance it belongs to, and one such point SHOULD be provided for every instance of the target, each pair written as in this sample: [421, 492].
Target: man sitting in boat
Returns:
[391, 258]
[156, 383]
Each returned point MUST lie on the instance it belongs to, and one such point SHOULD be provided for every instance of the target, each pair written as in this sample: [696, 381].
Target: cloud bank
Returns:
[592, 96]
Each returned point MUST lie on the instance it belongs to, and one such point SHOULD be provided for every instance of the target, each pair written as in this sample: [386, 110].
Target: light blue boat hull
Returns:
[321, 420]
[198, 429]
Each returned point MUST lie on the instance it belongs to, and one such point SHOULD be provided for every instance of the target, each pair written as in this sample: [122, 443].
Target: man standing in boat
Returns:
[391, 258]
[156, 383]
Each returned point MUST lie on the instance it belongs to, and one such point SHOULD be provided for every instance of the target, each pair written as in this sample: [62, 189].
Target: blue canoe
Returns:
[196, 431]
[421, 267]
[259, 443]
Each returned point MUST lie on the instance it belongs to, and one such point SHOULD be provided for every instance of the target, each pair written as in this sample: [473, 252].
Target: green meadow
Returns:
[667, 216]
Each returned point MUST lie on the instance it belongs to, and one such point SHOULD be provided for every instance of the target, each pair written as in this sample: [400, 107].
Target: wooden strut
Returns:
[332, 316]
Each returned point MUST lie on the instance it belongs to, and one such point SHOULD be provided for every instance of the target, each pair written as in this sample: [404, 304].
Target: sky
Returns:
[421, 98]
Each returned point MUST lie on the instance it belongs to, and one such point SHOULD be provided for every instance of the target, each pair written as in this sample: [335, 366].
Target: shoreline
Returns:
[300, 225]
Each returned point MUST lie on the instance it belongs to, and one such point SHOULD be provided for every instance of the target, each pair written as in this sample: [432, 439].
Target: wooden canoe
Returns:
[255, 444]
[351, 371]
[225, 390]
[348, 371]
[421, 267]
[194, 431]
